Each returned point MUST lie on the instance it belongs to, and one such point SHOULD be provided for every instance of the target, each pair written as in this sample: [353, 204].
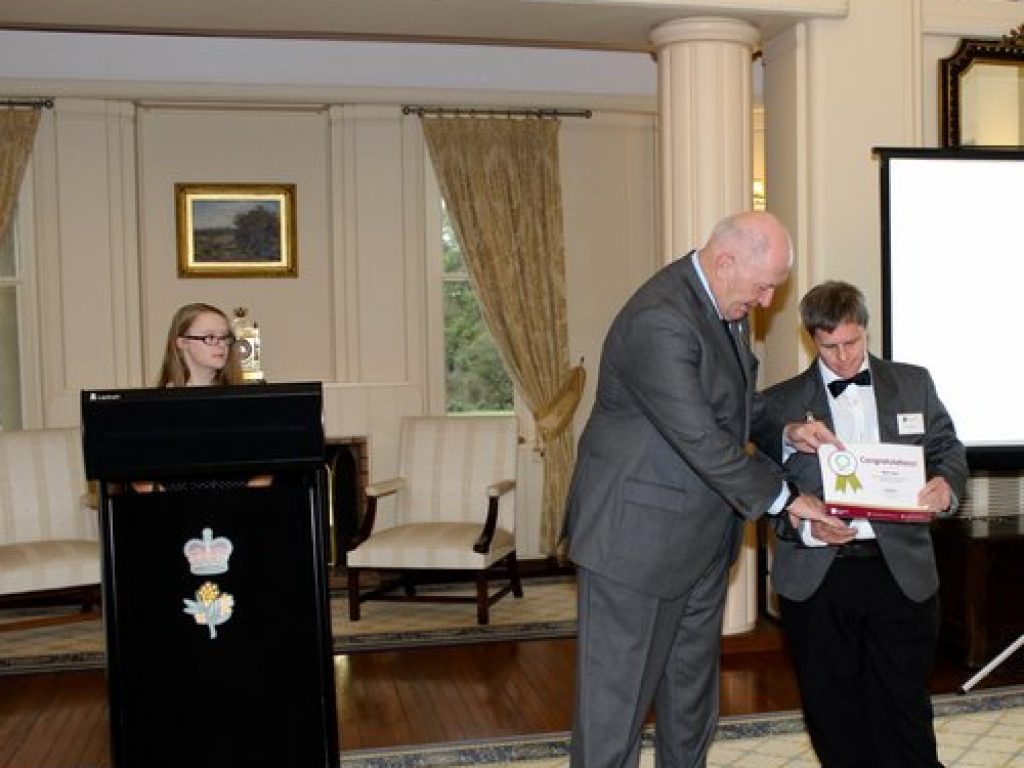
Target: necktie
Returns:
[863, 378]
[733, 341]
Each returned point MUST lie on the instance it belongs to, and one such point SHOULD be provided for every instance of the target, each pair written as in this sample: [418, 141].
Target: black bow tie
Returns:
[863, 378]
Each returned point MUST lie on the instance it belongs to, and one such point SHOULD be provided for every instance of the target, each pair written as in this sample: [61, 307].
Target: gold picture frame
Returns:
[236, 230]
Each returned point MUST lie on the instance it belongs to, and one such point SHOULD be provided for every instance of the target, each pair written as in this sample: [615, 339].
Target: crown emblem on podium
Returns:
[208, 555]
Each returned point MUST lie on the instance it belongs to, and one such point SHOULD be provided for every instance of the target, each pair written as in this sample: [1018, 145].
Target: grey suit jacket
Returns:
[797, 571]
[662, 479]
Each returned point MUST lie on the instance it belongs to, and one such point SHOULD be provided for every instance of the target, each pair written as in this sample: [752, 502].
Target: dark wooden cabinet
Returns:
[981, 570]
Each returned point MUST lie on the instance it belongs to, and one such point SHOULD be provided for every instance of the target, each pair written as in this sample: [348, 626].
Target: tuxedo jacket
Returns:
[662, 480]
[900, 389]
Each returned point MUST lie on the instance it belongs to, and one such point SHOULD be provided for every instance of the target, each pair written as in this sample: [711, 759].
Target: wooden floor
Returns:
[415, 696]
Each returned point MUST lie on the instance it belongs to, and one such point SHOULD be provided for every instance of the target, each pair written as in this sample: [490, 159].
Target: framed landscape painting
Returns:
[236, 230]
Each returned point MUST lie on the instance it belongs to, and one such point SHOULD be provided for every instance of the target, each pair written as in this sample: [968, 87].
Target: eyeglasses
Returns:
[212, 339]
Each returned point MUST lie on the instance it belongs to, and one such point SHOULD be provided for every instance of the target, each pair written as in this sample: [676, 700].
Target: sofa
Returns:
[49, 531]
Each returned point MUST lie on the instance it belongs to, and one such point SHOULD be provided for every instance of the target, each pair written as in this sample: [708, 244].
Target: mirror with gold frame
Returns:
[983, 93]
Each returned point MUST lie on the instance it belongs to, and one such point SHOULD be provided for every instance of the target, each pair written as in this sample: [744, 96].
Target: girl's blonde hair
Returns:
[174, 369]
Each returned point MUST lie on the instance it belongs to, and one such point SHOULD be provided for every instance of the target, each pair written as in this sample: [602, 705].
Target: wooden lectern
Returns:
[215, 593]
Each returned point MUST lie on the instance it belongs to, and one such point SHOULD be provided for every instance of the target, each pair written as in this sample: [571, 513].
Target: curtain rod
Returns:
[472, 112]
[35, 103]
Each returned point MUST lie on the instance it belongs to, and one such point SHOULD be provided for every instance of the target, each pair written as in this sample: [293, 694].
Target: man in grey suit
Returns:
[661, 488]
[860, 606]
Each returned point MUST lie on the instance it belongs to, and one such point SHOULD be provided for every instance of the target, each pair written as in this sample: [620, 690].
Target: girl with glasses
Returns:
[199, 349]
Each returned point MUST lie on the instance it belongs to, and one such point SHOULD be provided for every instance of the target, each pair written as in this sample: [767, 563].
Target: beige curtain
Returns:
[17, 132]
[499, 178]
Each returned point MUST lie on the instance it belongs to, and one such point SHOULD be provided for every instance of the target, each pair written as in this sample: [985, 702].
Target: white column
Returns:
[705, 112]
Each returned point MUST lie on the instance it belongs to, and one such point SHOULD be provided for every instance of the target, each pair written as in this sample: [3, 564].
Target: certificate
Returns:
[877, 481]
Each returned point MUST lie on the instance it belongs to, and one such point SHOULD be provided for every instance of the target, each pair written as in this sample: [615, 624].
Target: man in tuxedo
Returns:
[661, 488]
[860, 606]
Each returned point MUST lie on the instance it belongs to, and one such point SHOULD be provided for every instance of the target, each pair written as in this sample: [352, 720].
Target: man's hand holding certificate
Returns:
[878, 481]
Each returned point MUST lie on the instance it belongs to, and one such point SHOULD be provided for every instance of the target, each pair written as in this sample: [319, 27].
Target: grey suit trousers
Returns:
[664, 650]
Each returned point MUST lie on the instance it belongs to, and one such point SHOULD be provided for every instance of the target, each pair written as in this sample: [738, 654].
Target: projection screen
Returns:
[953, 284]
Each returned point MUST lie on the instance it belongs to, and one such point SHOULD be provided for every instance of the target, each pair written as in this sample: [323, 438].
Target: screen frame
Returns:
[987, 457]
[178, 432]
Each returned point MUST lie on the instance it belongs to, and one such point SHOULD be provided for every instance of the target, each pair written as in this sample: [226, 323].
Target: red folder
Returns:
[878, 513]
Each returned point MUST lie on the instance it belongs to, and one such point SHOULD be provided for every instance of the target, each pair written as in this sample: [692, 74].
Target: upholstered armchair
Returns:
[454, 510]
[49, 537]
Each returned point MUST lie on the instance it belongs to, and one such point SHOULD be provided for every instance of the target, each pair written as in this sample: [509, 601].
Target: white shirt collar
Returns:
[704, 281]
[828, 375]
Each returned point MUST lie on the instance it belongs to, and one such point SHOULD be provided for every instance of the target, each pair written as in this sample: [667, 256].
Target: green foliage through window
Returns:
[10, 366]
[475, 379]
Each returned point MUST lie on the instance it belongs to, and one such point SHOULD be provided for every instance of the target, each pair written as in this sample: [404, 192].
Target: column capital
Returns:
[706, 29]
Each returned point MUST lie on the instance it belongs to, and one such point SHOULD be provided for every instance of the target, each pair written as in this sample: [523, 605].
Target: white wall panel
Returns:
[789, 194]
[610, 216]
[85, 252]
[377, 294]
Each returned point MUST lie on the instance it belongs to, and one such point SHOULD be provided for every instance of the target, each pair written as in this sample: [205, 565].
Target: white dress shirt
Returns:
[855, 419]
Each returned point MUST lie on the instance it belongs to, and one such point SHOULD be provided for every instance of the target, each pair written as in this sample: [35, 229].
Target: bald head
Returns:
[746, 258]
[752, 235]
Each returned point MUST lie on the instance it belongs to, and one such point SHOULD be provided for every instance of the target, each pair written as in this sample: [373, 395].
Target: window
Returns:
[10, 367]
[475, 379]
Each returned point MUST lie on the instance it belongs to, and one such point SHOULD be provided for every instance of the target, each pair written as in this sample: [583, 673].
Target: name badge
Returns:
[910, 423]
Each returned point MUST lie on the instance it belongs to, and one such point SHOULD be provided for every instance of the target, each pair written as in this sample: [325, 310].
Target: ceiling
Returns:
[597, 24]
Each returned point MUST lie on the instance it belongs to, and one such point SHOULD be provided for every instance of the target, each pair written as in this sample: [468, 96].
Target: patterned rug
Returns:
[547, 609]
[979, 730]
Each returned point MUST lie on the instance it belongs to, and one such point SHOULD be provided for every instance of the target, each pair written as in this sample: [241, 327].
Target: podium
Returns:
[215, 592]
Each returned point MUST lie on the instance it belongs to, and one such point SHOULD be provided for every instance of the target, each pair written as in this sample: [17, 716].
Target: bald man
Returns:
[662, 486]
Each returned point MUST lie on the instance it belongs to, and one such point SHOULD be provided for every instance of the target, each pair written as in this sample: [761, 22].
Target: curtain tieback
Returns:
[554, 416]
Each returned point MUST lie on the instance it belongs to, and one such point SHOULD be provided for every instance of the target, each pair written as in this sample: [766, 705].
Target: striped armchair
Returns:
[48, 532]
[454, 510]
